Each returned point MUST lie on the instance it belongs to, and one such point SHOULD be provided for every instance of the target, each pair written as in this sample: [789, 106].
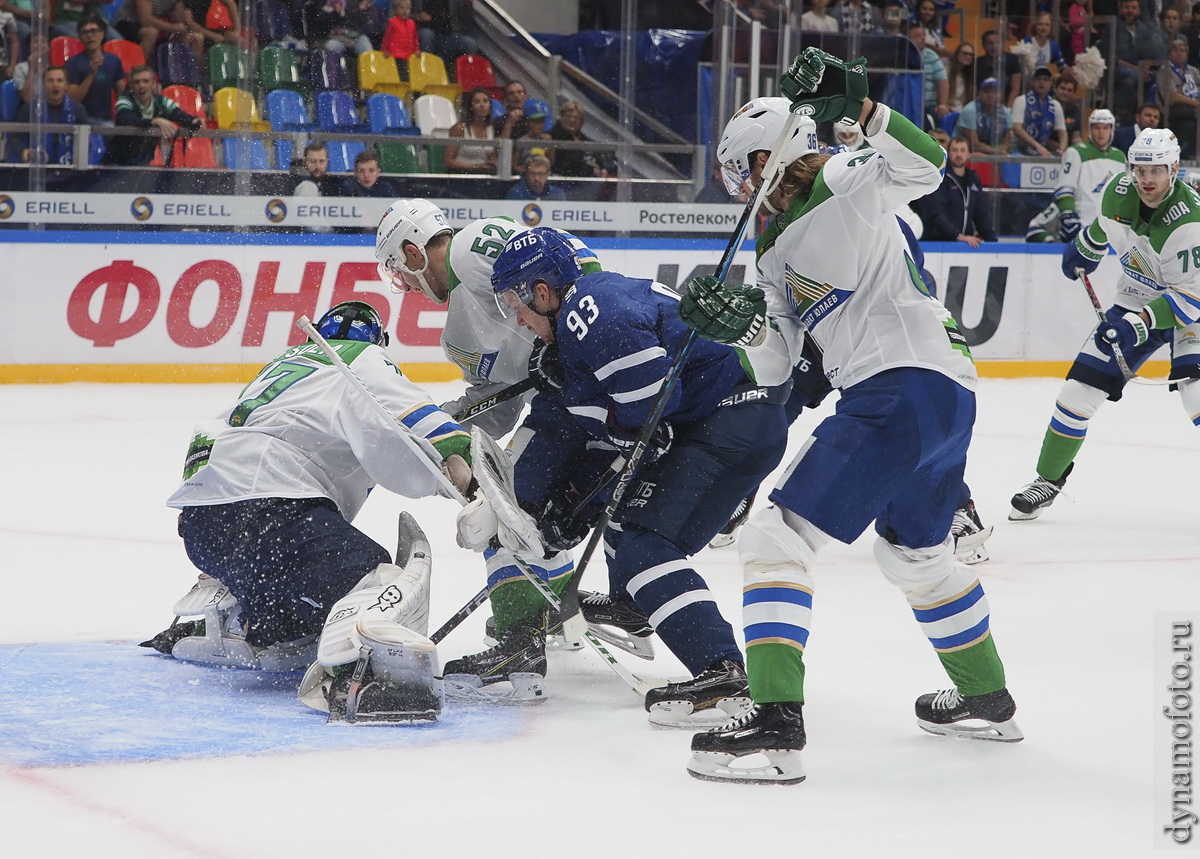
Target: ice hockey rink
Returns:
[109, 750]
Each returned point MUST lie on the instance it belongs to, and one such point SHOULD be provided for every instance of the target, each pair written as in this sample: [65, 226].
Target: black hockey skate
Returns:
[358, 696]
[715, 695]
[969, 534]
[621, 624]
[1036, 497]
[728, 534]
[519, 660]
[979, 717]
[556, 638]
[774, 731]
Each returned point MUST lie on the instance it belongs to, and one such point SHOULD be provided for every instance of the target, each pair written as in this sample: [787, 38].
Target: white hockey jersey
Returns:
[837, 265]
[1086, 171]
[492, 350]
[301, 430]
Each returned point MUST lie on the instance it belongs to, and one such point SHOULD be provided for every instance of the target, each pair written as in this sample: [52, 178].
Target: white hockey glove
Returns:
[480, 526]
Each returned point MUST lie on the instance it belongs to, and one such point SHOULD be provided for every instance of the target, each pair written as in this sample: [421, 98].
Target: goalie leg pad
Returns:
[388, 593]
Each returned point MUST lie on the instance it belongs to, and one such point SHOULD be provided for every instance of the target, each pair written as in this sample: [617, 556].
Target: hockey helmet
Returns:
[1154, 146]
[755, 128]
[414, 221]
[542, 254]
[353, 320]
[1100, 116]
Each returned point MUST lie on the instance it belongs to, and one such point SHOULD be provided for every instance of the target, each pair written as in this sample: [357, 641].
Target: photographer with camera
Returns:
[143, 107]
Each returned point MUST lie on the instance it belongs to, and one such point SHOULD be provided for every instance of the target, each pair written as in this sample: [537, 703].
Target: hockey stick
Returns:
[410, 439]
[475, 409]
[572, 620]
[1130, 375]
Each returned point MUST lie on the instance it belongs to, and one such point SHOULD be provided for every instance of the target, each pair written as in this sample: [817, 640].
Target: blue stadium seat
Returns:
[497, 108]
[949, 121]
[245, 154]
[10, 101]
[386, 114]
[286, 111]
[328, 70]
[271, 21]
[336, 112]
[342, 155]
[97, 146]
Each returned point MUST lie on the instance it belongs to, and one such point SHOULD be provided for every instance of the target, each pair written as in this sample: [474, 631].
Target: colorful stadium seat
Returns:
[177, 65]
[377, 72]
[129, 53]
[427, 74]
[387, 114]
[474, 71]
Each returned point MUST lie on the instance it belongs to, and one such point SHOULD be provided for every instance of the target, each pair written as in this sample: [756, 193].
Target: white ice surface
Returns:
[89, 554]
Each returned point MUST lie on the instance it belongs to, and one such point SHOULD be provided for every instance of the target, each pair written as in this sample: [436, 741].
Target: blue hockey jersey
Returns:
[617, 338]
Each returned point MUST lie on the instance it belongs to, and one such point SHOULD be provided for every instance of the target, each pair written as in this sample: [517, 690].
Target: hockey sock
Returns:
[1058, 451]
[974, 670]
[515, 600]
[776, 673]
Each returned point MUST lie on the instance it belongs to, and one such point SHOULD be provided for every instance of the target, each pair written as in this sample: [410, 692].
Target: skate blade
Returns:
[553, 642]
[783, 766]
[682, 714]
[972, 558]
[1015, 515]
[970, 542]
[418, 717]
[639, 646]
[722, 540]
[522, 688]
[976, 729]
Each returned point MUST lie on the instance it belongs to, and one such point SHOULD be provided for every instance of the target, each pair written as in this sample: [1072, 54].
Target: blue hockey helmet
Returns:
[353, 320]
[539, 255]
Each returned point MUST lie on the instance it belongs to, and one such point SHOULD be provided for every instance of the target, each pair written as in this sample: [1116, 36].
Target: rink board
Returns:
[214, 307]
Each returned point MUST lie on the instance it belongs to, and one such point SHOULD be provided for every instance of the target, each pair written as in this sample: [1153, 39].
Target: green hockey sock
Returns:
[975, 670]
[516, 602]
[1058, 452]
[776, 673]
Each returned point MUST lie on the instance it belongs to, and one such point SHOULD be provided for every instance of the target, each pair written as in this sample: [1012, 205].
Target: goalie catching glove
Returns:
[494, 518]
[735, 315]
[828, 89]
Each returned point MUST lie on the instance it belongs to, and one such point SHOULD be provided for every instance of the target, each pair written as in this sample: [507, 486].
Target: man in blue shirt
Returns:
[95, 78]
[535, 185]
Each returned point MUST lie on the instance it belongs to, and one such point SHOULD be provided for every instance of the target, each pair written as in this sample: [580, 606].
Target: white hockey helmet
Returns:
[1154, 146]
[1100, 116]
[756, 127]
[416, 221]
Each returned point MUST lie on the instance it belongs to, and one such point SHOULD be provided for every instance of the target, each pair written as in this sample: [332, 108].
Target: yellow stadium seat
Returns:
[427, 74]
[235, 108]
[377, 72]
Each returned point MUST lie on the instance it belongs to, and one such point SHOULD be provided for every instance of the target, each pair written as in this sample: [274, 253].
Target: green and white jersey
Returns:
[299, 430]
[1159, 250]
[491, 349]
[837, 265]
[1086, 172]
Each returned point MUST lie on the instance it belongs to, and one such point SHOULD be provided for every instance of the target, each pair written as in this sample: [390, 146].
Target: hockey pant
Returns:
[287, 560]
[672, 510]
[894, 451]
[555, 459]
[1096, 377]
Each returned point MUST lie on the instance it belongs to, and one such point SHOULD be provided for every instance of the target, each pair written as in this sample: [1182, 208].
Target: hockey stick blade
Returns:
[1129, 374]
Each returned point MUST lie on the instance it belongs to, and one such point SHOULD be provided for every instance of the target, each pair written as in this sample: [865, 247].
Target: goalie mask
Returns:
[756, 128]
[353, 320]
[540, 255]
[408, 221]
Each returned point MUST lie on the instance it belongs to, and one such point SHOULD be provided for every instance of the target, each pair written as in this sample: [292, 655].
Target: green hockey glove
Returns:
[736, 315]
[820, 85]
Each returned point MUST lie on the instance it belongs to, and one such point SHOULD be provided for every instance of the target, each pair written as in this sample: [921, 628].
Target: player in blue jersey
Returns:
[719, 437]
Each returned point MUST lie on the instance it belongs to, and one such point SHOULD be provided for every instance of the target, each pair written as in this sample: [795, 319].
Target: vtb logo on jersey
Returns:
[641, 494]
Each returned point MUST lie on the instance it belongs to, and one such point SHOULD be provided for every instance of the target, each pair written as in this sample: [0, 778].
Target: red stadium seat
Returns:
[62, 48]
[130, 53]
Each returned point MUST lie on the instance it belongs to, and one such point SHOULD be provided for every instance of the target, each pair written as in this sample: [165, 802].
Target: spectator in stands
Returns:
[530, 136]
[366, 181]
[340, 25]
[312, 173]
[95, 78]
[1043, 50]
[955, 212]
[1077, 29]
[22, 12]
[57, 148]
[937, 84]
[535, 184]
[142, 107]
[149, 22]
[400, 37]
[961, 78]
[857, 16]
[927, 17]
[1072, 108]
[514, 110]
[38, 62]
[817, 18]
[1136, 49]
[1000, 65]
[475, 124]
[8, 45]
[442, 29]
[1148, 116]
[1191, 31]
[218, 21]
[1170, 28]
[576, 163]
[891, 20]
[1038, 118]
[68, 14]
[1179, 93]
[986, 123]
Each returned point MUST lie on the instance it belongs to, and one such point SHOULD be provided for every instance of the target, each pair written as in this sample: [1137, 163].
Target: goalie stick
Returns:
[1129, 374]
[476, 409]
[573, 622]
[637, 684]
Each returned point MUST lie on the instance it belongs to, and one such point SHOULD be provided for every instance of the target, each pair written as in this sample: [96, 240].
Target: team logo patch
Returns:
[478, 364]
[1138, 267]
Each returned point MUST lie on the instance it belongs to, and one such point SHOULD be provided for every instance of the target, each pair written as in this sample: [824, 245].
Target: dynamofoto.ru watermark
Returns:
[1177, 754]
